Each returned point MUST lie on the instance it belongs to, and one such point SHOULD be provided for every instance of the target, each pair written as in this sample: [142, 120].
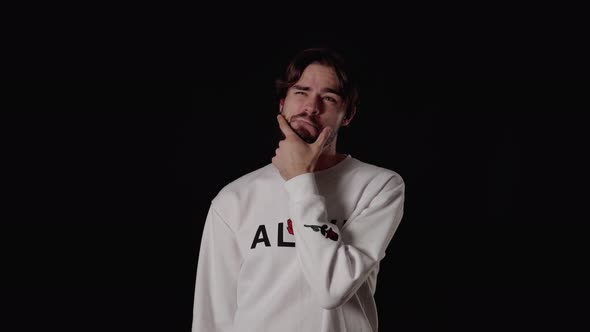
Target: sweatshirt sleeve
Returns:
[217, 270]
[334, 265]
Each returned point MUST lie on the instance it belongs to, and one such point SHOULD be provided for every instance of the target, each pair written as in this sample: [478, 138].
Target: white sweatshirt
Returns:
[297, 256]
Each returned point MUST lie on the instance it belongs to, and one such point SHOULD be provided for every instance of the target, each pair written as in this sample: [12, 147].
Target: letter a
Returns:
[261, 231]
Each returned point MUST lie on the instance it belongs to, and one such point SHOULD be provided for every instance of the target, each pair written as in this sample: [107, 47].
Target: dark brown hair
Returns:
[347, 83]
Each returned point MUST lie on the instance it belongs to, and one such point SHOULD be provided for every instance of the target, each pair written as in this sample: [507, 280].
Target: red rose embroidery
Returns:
[327, 232]
[330, 234]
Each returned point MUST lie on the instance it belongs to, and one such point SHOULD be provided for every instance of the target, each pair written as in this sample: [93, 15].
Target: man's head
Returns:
[317, 91]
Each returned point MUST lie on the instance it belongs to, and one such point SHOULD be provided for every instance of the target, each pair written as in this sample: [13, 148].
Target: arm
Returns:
[217, 272]
[336, 266]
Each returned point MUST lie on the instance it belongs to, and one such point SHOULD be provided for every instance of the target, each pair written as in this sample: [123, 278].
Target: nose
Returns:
[312, 107]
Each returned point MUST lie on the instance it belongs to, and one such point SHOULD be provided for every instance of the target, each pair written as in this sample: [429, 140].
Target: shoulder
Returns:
[235, 195]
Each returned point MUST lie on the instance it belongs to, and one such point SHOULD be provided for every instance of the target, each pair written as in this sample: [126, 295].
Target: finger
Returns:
[285, 128]
[322, 138]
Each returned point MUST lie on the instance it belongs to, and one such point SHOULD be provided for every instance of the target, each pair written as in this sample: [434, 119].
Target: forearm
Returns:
[336, 264]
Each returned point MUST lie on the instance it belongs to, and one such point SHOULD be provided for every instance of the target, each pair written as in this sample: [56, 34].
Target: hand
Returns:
[294, 156]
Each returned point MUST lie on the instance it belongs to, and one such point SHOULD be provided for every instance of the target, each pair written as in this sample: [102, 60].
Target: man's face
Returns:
[313, 103]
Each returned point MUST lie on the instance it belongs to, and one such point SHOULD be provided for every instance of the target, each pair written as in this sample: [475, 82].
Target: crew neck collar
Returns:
[336, 167]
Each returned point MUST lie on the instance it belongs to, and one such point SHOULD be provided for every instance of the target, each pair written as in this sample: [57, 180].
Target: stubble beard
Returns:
[305, 135]
[310, 139]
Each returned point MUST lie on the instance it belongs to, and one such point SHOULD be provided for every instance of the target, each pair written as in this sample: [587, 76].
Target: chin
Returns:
[305, 135]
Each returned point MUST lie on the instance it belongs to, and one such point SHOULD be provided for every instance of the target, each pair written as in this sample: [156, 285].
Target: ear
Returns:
[347, 119]
[281, 104]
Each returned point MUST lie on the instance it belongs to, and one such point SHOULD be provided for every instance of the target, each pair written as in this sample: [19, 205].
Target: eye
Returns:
[300, 93]
[330, 99]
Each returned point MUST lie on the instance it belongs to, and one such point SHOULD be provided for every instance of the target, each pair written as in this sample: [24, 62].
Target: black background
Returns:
[107, 181]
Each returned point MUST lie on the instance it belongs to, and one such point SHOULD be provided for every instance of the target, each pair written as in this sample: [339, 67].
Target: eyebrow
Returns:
[306, 88]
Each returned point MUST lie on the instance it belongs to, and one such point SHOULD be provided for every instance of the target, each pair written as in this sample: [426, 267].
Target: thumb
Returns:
[322, 138]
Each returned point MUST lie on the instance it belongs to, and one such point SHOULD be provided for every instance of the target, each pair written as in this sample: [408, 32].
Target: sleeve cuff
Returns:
[302, 186]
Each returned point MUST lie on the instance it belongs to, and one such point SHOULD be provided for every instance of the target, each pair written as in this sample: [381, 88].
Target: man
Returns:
[296, 245]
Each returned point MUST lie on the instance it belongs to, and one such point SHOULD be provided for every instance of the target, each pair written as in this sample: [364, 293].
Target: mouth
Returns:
[306, 122]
